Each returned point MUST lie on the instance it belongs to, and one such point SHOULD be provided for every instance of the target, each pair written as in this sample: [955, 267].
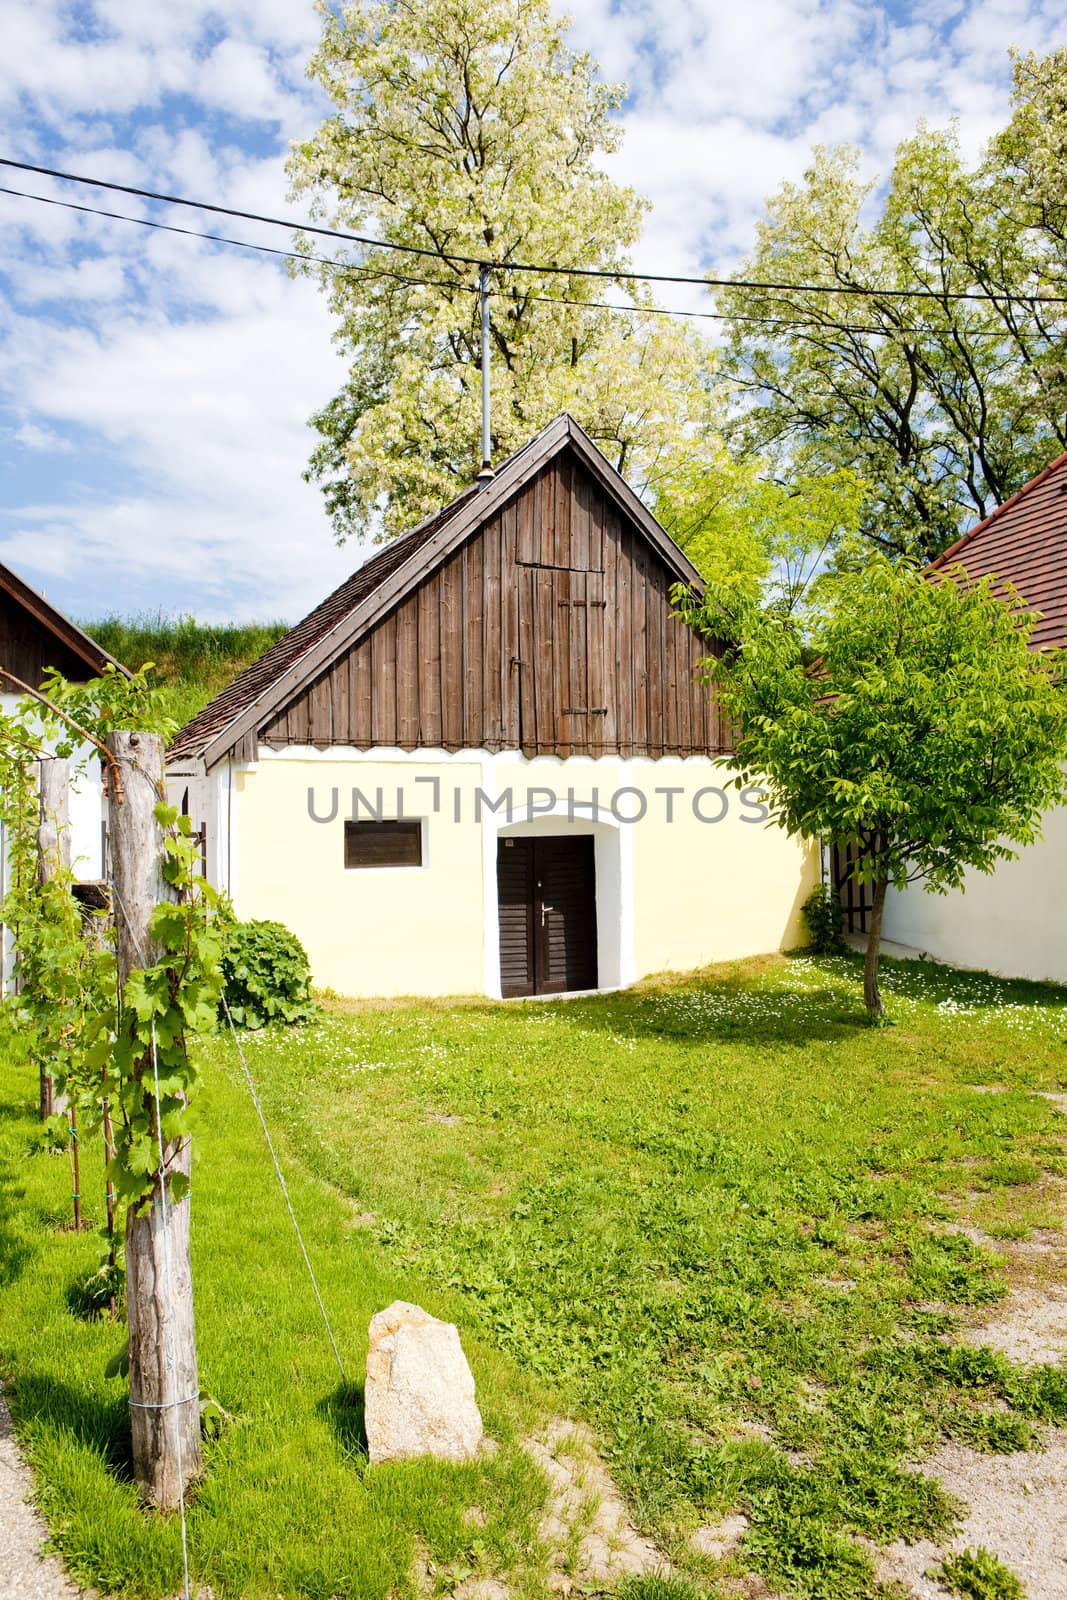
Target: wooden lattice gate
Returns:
[855, 898]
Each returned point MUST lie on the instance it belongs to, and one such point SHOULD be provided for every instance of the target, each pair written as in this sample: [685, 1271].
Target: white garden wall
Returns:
[1012, 922]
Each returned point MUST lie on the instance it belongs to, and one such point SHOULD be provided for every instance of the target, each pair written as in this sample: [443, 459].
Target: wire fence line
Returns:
[284, 1188]
[170, 1354]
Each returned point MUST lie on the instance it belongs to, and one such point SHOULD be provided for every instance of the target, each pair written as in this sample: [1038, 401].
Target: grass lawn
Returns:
[715, 1217]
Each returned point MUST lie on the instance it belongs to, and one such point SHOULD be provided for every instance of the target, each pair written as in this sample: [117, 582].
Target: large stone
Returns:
[420, 1390]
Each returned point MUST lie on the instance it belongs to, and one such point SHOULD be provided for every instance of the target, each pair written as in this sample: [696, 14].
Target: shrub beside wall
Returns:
[267, 976]
[822, 918]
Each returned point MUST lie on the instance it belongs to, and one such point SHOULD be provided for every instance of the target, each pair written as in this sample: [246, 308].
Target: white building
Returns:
[35, 636]
[489, 763]
[1012, 921]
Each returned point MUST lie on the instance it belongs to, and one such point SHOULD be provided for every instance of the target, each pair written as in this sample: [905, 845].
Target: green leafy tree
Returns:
[760, 536]
[907, 715]
[943, 406]
[468, 128]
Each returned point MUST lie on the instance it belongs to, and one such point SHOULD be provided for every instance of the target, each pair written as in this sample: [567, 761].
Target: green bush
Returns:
[822, 917]
[267, 978]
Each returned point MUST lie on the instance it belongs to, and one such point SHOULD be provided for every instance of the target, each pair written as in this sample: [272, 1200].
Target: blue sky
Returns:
[154, 390]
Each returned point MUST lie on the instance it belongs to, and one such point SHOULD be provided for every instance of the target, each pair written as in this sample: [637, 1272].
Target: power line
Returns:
[146, 222]
[544, 268]
[358, 269]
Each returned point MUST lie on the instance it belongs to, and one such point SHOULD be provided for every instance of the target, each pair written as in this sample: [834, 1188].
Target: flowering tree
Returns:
[468, 128]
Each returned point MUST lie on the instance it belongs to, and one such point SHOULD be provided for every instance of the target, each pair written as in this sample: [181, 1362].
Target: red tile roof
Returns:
[1024, 542]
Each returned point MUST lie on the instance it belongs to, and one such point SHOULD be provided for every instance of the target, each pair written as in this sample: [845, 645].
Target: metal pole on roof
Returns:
[483, 296]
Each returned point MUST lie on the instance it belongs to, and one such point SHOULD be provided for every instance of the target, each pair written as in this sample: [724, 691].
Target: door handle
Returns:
[545, 907]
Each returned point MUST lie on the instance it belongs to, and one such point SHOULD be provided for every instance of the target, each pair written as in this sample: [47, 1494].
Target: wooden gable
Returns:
[548, 630]
[35, 636]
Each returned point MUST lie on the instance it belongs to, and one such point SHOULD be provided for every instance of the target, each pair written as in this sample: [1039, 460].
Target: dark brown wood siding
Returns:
[550, 632]
[515, 893]
[28, 648]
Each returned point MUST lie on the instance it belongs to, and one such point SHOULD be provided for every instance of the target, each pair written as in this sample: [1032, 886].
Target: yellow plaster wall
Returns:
[379, 931]
[713, 891]
[698, 891]
[701, 891]
[581, 774]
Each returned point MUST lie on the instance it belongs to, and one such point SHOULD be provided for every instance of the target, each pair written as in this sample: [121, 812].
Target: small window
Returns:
[384, 844]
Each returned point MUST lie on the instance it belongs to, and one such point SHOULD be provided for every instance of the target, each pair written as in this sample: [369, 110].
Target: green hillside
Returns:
[192, 660]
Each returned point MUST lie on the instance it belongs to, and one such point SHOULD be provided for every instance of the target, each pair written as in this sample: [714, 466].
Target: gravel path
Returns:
[25, 1573]
[1016, 1504]
[1016, 1509]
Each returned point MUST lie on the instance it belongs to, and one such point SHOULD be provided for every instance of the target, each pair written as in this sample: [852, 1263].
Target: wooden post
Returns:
[97, 923]
[53, 856]
[165, 1424]
[109, 1197]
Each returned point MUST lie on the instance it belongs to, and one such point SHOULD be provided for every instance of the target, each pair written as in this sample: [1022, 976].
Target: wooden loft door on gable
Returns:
[562, 533]
[564, 690]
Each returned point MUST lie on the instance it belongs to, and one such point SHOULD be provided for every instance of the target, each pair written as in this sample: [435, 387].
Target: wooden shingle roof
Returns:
[232, 719]
[1024, 542]
[255, 682]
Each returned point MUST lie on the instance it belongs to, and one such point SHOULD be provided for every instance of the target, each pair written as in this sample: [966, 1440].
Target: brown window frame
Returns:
[405, 831]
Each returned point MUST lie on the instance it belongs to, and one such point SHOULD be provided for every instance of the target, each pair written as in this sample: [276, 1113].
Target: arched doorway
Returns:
[558, 905]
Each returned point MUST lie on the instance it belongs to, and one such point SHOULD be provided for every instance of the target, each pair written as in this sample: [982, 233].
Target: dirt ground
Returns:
[1017, 1504]
[25, 1572]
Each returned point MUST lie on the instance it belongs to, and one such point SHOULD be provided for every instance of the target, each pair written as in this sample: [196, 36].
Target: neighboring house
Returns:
[431, 779]
[1012, 921]
[33, 637]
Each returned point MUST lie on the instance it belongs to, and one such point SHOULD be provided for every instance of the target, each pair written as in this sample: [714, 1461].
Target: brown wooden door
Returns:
[547, 895]
[515, 894]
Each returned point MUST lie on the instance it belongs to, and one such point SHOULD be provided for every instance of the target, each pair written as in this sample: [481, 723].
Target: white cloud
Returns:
[34, 437]
[137, 53]
[726, 101]
[98, 279]
[208, 422]
[191, 371]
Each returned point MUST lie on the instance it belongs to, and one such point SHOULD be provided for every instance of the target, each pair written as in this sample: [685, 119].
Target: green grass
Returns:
[713, 1216]
[287, 1505]
[193, 660]
[979, 1575]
